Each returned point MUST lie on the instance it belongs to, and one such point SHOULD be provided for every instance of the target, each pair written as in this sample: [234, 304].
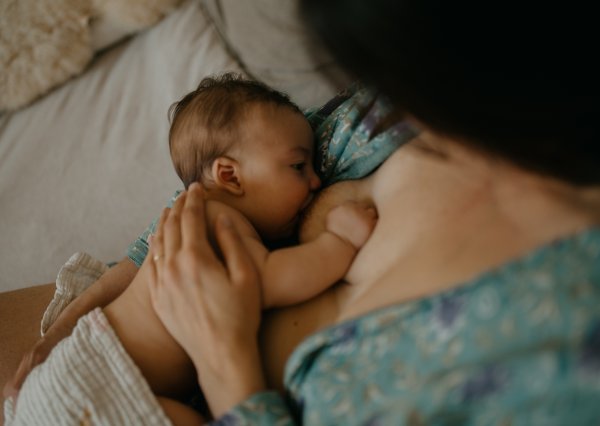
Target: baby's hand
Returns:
[352, 222]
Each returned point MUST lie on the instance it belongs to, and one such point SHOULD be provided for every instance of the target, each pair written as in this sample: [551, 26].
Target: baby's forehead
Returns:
[276, 126]
[268, 108]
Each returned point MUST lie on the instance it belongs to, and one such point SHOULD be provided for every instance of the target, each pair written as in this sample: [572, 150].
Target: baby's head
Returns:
[249, 146]
[208, 122]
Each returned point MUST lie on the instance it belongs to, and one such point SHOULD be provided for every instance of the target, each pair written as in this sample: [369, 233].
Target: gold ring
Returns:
[157, 257]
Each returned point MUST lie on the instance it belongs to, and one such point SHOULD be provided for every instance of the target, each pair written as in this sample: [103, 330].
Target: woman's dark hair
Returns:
[511, 78]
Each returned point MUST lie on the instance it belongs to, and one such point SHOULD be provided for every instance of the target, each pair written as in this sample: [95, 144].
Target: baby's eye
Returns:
[299, 166]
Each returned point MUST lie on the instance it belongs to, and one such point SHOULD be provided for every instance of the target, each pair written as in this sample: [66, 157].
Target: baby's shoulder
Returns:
[240, 222]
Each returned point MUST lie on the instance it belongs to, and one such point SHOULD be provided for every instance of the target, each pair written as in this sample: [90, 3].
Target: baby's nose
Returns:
[315, 182]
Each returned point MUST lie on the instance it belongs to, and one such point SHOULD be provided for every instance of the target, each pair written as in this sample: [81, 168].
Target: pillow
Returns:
[271, 43]
[43, 43]
[117, 19]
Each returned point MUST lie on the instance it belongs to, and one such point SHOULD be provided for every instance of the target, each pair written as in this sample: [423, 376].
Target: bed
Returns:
[86, 166]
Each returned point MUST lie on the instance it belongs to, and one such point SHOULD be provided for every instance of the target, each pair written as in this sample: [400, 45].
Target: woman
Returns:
[475, 300]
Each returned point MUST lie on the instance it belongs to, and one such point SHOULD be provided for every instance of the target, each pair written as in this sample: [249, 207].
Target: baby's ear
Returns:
[226, 175]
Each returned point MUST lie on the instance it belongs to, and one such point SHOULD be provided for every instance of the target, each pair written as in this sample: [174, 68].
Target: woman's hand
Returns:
[211, 308]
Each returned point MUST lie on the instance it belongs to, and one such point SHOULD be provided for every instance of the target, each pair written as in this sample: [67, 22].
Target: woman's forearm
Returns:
[238, 377]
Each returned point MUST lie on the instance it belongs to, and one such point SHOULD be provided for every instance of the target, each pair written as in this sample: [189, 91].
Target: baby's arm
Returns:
[298, 273]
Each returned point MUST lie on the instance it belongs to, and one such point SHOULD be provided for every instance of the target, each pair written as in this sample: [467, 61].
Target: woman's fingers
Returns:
[156, 240]
[172, 227]
[237, 259]
[193, 221]
[156, 254]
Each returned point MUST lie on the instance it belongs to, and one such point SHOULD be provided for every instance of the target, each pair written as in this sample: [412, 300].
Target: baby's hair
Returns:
[204, 123]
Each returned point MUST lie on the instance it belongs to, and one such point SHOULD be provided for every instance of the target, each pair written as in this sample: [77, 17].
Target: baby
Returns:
[252, 150]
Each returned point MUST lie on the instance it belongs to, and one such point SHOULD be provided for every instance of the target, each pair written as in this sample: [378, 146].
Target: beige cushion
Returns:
[44, 43]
